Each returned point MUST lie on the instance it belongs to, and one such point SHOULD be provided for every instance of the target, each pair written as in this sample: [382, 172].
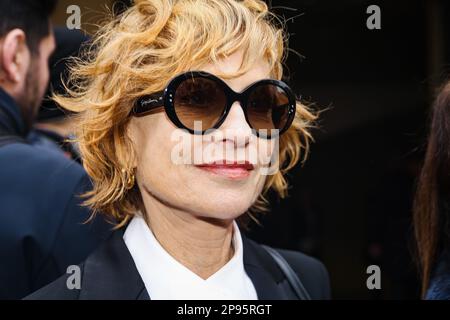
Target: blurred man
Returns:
[41, 220]
[54, 126]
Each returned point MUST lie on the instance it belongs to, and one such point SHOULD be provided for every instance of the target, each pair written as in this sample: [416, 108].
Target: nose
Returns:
[235, 128]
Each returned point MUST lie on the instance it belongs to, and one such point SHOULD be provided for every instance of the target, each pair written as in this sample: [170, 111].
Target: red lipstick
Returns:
[229, 169]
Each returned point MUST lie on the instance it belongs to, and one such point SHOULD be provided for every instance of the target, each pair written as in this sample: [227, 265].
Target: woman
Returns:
[432, 204]
[182, 126]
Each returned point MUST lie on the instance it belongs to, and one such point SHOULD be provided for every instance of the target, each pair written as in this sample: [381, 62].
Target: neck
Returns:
[16, 120]
[203, 245]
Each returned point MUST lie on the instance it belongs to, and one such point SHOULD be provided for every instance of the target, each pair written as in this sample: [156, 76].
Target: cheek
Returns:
[155, 169]
[44, 72]
[268, 153]
[151, 145]
[42, 75]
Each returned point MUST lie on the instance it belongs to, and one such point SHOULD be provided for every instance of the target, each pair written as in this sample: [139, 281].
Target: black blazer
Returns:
[110, 273]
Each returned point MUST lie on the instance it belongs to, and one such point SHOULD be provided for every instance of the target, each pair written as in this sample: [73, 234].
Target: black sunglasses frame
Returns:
[165, 98]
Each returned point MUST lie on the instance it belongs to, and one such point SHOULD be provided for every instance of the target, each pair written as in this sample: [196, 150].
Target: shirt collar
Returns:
[166, 278]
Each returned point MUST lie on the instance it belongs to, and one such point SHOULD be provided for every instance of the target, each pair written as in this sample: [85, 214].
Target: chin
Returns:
[225, 210]
[223, 202]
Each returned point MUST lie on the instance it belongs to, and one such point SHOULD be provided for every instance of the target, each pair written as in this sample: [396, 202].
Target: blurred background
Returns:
[350, 203]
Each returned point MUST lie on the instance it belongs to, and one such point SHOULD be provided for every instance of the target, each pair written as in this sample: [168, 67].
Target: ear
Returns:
[15, 56]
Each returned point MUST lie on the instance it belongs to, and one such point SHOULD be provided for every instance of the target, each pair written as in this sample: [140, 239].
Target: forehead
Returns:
[259, 70]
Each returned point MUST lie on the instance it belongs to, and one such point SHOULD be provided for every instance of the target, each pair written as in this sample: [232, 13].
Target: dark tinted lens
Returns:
[199, 99]
[268, 107]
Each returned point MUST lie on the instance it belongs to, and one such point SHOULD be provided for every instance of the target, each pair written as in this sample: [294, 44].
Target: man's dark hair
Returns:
[32, 16]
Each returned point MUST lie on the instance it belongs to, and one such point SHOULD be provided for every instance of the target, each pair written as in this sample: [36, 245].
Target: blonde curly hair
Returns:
[137, 53]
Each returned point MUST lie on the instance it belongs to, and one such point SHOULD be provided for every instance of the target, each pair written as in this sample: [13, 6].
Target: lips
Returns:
[228, 169]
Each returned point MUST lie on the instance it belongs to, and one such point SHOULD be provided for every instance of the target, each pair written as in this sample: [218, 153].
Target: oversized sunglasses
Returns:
[269, 105]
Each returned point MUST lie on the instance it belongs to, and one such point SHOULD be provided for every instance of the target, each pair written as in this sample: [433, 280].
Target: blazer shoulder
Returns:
[49, 162]
[311, 272]
[57, 290]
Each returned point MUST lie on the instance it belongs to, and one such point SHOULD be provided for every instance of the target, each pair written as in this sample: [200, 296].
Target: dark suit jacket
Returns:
[110, 273]
[41, 220]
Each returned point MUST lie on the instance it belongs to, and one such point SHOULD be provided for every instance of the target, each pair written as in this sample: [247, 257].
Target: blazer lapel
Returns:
[110, 273]
[270, 283]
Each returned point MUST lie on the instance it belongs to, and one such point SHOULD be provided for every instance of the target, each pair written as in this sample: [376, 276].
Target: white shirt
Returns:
[167, 279]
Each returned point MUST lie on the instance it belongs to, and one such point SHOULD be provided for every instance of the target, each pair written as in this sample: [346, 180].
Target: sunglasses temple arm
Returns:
[145, 104]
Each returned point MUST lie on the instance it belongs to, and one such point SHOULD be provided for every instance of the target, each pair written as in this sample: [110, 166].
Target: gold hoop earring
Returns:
[130, 179]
